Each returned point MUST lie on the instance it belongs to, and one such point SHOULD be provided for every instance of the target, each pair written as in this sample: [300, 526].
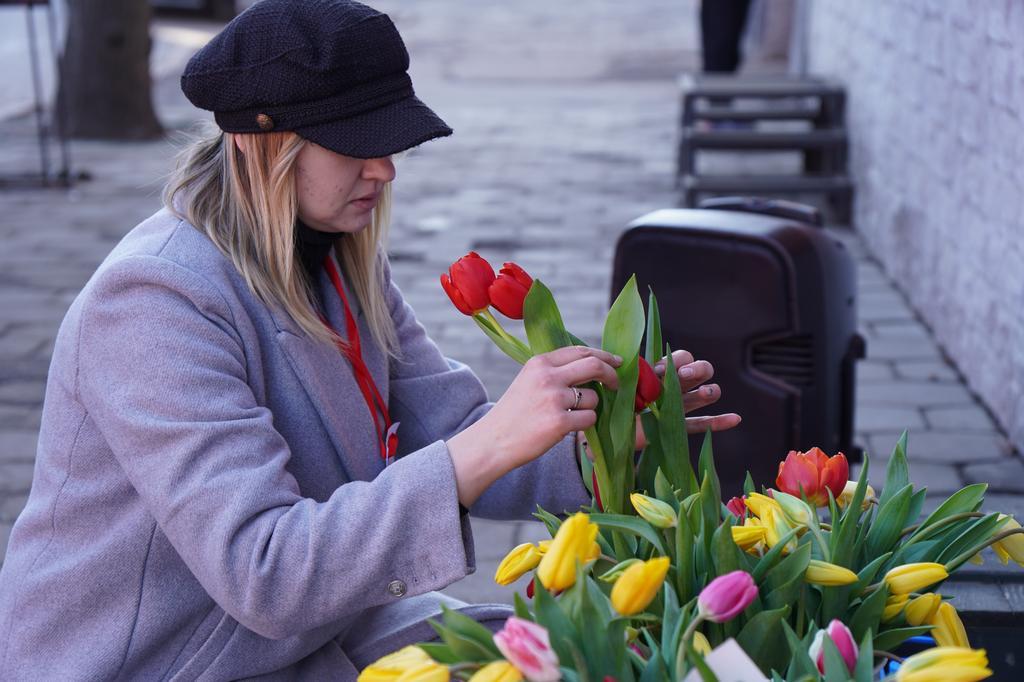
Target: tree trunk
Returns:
[104, 75]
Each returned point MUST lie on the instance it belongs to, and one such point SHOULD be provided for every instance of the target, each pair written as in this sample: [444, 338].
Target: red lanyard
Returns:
[387, 436]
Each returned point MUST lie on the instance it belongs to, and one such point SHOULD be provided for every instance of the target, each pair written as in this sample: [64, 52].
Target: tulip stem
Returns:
[888, 654]
[958, 561]
[692, 627]
[816, 531]
[918, 535]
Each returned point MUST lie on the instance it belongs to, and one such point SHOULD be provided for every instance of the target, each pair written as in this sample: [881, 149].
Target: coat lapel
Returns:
[330, 383]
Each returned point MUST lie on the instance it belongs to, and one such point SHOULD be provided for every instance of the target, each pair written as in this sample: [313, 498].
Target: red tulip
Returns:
[813, 474]
[509, 290]
[529, 589]
[737, 506]
[466, 283]
[648, 386]
[597, 491]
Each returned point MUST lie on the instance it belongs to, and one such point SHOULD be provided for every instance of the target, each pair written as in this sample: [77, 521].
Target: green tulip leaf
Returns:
[470, 629]
[624, 325]
[967, 499]
[465, 648]
[561, 631]
[865, 669]
[869, 613]
[543, 321]
[673, 441]
[634, 525]
[842, 544]
[793, 566]
[442, 653]
[552, 522]
[651, 458]
[890, 639]
[764, 641]
[623, 423]
[521, 607]
[975, 533]
[772, 556]
[801, 663]
[867, 574]
[509, 345]
[706, 465]
[897, 473]
[654, 345]
[889, 524]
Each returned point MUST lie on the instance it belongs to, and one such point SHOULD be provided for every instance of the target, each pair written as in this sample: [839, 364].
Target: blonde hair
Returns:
[247, 205]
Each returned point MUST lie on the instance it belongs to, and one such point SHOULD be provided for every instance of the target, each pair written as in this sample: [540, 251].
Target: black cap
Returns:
[333, 71]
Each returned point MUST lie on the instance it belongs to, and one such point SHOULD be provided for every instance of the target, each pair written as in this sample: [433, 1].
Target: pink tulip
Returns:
[842, 638]
[726, 596]
[527, 647]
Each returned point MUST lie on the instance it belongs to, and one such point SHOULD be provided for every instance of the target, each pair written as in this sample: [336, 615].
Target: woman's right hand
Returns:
[538, 410]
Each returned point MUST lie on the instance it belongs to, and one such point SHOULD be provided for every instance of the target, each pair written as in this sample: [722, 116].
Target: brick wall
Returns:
[936, 117]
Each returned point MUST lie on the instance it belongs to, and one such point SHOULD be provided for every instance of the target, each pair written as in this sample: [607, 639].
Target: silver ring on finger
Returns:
[579, 397]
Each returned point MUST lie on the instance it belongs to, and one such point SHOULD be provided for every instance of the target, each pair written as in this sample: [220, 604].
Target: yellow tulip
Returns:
[829, 575]
[949, 629]
[701, 643]
[977, 560]
[653, 511]
[913, 577]
[497, 671]
[543, 546]
[426, 672]
[574, 544]
[797, 512]
[776, 527]
[389, 668]
[846, 497]
[1011, 547]
[638, 585]
[523, 558]
[893, 606]
[748, 537]
[757, 503]
[945, 664]
[922, 609]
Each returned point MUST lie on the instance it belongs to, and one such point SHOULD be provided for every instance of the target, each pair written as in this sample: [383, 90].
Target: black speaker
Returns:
[760, 290]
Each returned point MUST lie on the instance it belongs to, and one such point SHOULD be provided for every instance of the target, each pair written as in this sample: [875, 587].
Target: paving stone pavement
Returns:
[565, 125]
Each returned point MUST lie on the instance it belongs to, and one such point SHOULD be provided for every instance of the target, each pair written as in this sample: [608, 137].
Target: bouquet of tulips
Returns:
[817, 578]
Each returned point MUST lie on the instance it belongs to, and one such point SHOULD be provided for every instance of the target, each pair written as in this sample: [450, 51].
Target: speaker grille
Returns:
[790, 359]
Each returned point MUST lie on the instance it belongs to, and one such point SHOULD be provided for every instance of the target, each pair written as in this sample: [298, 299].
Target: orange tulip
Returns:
[813, 474]
[509, 290]
[648, 386]
[466, 283]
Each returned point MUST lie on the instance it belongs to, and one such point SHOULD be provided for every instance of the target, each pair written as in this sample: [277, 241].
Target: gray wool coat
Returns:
[208, 499]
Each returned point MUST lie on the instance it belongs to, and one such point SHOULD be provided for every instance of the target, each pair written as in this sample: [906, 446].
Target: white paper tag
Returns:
[729, 663]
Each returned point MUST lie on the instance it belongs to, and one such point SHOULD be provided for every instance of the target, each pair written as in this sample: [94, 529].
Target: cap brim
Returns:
[388, 130]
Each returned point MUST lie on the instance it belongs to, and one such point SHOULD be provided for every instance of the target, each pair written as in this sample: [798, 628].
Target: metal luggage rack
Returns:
[49, 126]
[722, 113]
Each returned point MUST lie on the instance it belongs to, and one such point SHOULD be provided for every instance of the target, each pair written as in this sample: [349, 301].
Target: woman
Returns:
[253, 462]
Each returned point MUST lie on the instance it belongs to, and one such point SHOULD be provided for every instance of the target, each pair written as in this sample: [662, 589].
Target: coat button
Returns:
[396, 588]
[264, 122]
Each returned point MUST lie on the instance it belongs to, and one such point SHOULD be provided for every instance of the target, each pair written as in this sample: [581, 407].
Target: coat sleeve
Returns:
[434, 398]
[163, 374]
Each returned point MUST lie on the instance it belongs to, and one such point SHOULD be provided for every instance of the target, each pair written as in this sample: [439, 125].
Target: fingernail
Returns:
[686, 373]
[617, 358]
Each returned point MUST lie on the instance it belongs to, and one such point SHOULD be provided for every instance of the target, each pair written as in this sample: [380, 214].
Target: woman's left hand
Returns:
[696, 394]
[692, 377]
